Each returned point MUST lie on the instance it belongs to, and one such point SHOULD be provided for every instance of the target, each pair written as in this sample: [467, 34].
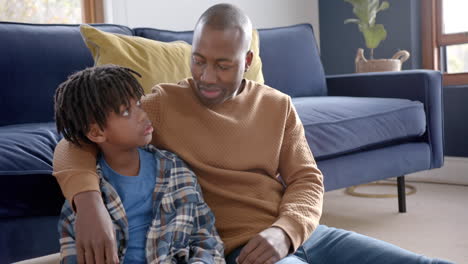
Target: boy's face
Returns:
[129, 129]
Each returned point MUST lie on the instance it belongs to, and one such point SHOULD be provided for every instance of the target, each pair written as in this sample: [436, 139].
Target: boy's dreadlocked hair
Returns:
[88, 96]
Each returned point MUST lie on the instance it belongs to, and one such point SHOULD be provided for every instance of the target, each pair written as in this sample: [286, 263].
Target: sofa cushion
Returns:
[291, 60]
[255, 71]
[339, 125]
[28, 188]
[29, 195]
[164, 35]
[28, 237]
[27, 148]
[34, 60]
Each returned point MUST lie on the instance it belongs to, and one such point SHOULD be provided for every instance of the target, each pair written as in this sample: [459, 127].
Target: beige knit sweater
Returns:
[237, 150]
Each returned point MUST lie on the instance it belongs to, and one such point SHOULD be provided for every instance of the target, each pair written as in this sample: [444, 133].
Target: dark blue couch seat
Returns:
[339, 125]
[28, 188]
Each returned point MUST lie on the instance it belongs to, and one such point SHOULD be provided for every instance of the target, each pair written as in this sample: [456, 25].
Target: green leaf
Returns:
[362, 11]
[383, 6]
[351, 20]
[366, 12]
[374, 35]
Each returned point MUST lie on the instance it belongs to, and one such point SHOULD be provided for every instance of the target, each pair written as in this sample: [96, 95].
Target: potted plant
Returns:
[366, 12]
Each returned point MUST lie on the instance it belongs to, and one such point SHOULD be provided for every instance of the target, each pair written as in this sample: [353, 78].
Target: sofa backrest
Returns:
[34, 60]
[290, 58]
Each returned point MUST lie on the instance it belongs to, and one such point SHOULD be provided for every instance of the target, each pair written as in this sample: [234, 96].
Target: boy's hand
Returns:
[95, 237]
[269, 246]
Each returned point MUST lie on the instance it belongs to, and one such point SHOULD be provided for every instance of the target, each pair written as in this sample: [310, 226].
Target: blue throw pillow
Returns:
[27, 148]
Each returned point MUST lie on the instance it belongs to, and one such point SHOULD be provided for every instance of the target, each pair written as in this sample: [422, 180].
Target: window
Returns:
[445, 39]
[52, 11]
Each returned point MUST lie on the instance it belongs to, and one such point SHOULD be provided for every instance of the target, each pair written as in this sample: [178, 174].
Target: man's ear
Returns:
[95, 134]
[248, 60]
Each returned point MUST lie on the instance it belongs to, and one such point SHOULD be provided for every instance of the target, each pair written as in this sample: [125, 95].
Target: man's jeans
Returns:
[331, 245]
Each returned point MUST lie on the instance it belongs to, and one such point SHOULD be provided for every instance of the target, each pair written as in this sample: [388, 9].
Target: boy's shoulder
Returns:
[163, 154]
[179, 175]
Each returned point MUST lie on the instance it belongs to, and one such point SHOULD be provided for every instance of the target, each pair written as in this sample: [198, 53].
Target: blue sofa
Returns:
[360, 127]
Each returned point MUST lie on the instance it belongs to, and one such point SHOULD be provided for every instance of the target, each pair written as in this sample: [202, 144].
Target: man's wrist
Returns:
[287, 239]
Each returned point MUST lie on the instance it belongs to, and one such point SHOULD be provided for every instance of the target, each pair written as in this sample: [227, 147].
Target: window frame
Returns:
[433, 38]
[92, 11]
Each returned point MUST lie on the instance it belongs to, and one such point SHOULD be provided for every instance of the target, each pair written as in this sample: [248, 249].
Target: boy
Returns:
[152, 197]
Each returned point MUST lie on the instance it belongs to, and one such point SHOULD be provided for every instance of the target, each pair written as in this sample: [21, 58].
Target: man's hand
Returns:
[269, 246]
[95, 236]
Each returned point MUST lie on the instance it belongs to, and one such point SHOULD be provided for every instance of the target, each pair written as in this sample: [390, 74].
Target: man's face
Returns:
[219, 59]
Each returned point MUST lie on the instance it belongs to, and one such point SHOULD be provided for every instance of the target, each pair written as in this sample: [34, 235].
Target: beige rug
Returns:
[435, 225]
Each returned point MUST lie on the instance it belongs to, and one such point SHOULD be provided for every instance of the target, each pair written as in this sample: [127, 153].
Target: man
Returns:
[246, 144]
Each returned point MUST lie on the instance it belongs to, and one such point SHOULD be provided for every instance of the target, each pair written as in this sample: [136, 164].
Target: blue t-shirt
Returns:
[136, 195]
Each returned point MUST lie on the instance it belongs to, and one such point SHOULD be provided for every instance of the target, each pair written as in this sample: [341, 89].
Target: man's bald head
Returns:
[227, 16]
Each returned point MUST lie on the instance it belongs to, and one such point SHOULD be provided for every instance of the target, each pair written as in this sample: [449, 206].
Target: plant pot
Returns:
[393, 64]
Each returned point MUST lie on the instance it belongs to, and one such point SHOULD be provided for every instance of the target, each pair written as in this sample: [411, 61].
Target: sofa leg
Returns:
[401, 194]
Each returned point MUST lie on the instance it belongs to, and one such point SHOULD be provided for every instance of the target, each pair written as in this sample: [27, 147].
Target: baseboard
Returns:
[454, 171]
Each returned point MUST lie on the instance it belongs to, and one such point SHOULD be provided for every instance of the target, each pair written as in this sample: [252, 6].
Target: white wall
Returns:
[183, 14]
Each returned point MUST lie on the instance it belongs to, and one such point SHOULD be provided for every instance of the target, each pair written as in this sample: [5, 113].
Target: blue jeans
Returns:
[331, 245]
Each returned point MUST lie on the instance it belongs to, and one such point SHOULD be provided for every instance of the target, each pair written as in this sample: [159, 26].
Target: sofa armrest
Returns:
[417, 85]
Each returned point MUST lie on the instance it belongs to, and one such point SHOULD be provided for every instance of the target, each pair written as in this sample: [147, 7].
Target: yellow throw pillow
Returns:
[255, 71]
[157, 62]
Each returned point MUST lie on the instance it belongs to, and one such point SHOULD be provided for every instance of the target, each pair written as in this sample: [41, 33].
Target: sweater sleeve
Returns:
[75, 168]
[301, 205]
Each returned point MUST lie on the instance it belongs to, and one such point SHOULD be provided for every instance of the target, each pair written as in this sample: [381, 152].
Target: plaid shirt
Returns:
[182, 230]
